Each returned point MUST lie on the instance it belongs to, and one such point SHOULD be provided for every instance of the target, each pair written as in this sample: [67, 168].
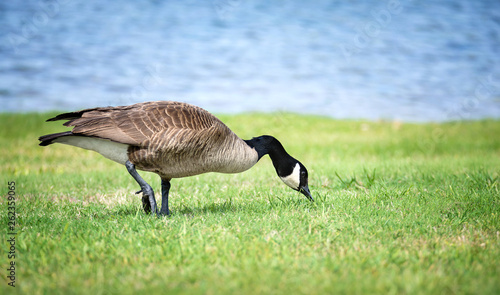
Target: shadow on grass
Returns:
[98, 211]
[131, 210]
[254, 207]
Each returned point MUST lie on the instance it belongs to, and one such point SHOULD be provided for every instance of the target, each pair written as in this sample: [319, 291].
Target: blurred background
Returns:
[414, 61]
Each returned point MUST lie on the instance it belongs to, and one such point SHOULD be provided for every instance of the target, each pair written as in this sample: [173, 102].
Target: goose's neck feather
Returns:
[268, 145]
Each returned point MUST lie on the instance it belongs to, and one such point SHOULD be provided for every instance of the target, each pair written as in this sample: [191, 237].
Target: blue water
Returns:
[392, 60]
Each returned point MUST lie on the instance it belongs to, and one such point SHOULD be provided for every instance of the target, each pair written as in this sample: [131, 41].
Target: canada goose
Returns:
[172, 139]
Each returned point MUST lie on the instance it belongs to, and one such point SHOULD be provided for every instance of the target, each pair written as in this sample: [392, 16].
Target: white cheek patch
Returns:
[293, 180]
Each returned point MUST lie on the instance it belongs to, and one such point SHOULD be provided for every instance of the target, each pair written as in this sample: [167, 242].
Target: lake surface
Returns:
[392, 60]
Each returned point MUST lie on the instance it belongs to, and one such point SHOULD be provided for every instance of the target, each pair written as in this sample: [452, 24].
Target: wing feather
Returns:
[141, 123]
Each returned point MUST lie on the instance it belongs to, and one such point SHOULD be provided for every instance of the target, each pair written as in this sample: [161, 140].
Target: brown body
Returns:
[172, 139]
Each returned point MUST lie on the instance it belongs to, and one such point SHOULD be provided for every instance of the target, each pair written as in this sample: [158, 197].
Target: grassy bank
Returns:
[400, 208]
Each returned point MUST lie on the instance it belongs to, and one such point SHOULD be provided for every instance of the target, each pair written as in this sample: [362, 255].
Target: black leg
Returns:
[146, 205]
[148, 195]
[165, 187]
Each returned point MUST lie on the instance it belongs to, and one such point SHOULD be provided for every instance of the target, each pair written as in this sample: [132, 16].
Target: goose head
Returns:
[291, 171]
[295, 176]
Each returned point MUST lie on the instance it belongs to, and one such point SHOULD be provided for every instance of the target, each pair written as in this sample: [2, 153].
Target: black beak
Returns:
[305, 190]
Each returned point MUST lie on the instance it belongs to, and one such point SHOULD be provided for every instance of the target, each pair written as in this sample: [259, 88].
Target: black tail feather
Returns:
[71, 115]
[47, 139]
[66, 116]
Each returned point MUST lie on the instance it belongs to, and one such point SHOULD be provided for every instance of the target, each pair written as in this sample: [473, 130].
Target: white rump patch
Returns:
[293, 180]
[114, 151]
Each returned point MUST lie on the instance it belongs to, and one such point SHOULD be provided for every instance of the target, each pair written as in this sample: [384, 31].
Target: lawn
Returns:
[400, 209]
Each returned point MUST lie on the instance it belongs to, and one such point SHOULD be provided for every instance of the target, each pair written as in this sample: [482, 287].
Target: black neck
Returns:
[268, 145]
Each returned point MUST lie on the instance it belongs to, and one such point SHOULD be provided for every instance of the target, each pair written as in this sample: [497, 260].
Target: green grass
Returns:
[400, 209]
